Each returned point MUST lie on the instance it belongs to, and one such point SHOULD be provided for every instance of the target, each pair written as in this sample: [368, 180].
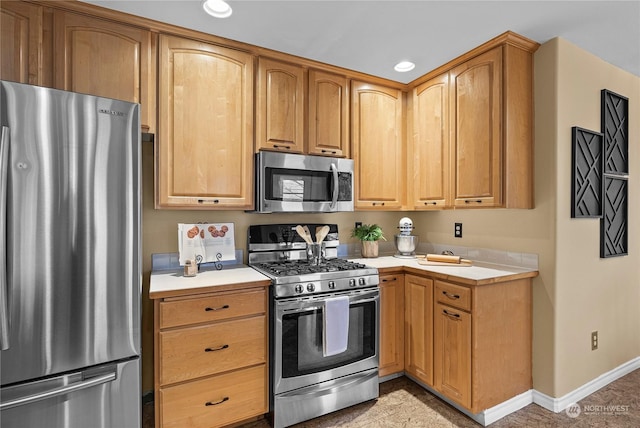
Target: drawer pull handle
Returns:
[217, 309]
[276, 146]
[444, 311]
[333, 152]
[209, 403]
[451, 296]
[389, 280]
[220, 348]
[467, 201]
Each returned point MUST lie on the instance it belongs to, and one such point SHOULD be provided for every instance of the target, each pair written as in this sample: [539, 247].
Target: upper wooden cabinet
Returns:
[21, 50]
[428, 156]
[107, 59]
[204, 148]
[479, 110]
[378, 146]
[280, 106]
[328, 114]
[476, 135]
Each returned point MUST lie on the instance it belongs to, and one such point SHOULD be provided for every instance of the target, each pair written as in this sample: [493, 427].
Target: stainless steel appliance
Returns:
[303, 183]
[70, 279]
[306, 380]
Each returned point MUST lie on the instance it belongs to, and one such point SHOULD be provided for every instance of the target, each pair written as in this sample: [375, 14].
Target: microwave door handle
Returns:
[336, 185]
[4, 293]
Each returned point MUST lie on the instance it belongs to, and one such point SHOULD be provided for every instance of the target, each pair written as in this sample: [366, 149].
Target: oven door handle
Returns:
[315, 392]
[302, 309]
[336, 186]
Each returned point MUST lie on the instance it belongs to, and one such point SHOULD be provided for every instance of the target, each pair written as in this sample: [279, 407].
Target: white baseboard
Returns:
[489, 416]
[559, 404]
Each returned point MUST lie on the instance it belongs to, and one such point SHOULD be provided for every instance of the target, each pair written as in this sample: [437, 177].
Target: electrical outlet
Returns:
[358, 224]
[457, 230]
[594, 340]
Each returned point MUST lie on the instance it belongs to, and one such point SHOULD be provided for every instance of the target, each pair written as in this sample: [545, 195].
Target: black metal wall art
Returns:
[586, 180]
[614, 220]
[600, 173]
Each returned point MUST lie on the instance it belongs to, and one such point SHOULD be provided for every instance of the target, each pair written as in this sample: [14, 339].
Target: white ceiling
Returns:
[372, 36]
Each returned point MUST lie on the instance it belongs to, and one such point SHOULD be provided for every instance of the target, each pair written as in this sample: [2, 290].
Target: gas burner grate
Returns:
[301, 267]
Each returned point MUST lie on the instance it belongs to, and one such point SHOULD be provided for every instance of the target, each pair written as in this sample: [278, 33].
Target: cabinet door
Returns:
[452, 353]
[418, 316]
[430, 156]
[328, 114]
[280, 106]
[103, 58]
[21, 44]
[476, 135]
[204, 148]
[378, 150]
[391, 324]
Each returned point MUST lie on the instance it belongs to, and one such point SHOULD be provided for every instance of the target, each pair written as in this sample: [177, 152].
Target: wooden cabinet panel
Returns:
[391, 324]
[429, 174]
[476, 132]
[280, 106]
[107, 59]
[419, 328]
[204, 148]
[211, 349]
[328, 114]
[217, 307]
[215, 401]
[21, 53]
[453, 295]
[452, 353]
[378, 148]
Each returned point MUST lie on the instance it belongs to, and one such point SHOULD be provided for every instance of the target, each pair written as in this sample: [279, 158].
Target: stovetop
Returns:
[302, 267]
[278, 252]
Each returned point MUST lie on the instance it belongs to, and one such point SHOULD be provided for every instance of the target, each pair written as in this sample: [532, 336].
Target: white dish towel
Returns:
[335, 334]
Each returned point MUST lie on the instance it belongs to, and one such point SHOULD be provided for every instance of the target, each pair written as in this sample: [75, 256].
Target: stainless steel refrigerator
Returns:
[70, 277]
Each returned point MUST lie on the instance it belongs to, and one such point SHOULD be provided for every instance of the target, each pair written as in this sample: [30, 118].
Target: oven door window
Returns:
[298, 185]
[302, 341]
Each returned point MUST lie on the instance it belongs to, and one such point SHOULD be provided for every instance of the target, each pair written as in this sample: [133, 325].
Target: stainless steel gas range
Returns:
[324, 324]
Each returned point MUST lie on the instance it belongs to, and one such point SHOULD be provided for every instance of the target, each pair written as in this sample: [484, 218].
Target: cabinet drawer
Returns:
[214, 308]
[215, 401]
[194, 352]
[453, 295]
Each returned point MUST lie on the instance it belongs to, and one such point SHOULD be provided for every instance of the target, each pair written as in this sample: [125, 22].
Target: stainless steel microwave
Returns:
[288, 182]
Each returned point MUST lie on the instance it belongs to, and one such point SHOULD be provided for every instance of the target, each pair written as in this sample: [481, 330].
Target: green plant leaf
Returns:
[368, 232]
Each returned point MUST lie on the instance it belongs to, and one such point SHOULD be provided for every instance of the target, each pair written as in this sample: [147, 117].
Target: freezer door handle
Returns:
[54, 392]
[4, 295]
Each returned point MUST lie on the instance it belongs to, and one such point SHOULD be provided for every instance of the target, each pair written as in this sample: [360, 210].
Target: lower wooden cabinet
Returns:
[211, 358]
[391, 324]
[452, 353]
[469, 342]
[418, 314]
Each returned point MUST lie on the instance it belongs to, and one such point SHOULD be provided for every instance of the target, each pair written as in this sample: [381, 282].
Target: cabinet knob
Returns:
[216, 309]
[219, 348]
[211, 403]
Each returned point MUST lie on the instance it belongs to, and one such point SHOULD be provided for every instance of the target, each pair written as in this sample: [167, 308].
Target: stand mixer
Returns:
[406, 243]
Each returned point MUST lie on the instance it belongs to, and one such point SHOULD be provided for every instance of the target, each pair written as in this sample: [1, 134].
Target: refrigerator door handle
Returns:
[4, 295]
[54, 392]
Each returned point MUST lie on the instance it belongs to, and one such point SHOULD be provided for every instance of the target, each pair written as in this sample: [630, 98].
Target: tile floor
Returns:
[402, 403]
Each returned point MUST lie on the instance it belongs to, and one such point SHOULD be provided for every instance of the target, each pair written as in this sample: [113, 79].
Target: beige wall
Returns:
[576, 292]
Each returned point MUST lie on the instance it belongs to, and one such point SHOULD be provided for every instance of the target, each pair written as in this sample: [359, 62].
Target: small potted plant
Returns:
[368, 234]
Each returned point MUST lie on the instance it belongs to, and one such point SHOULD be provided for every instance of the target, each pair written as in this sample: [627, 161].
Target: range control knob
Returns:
[362, 281]
[299, 288]
[311, 287]
[352, 282]
[332, 285]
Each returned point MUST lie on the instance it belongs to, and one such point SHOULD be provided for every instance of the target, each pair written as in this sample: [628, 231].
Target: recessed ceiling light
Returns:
[217, 8]
[404, 66]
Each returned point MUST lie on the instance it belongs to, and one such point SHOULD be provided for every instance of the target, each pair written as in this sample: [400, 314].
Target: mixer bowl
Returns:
[406, 244]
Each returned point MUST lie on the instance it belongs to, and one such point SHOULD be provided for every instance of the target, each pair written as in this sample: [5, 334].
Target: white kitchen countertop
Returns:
[477, 274]
[173, 283]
